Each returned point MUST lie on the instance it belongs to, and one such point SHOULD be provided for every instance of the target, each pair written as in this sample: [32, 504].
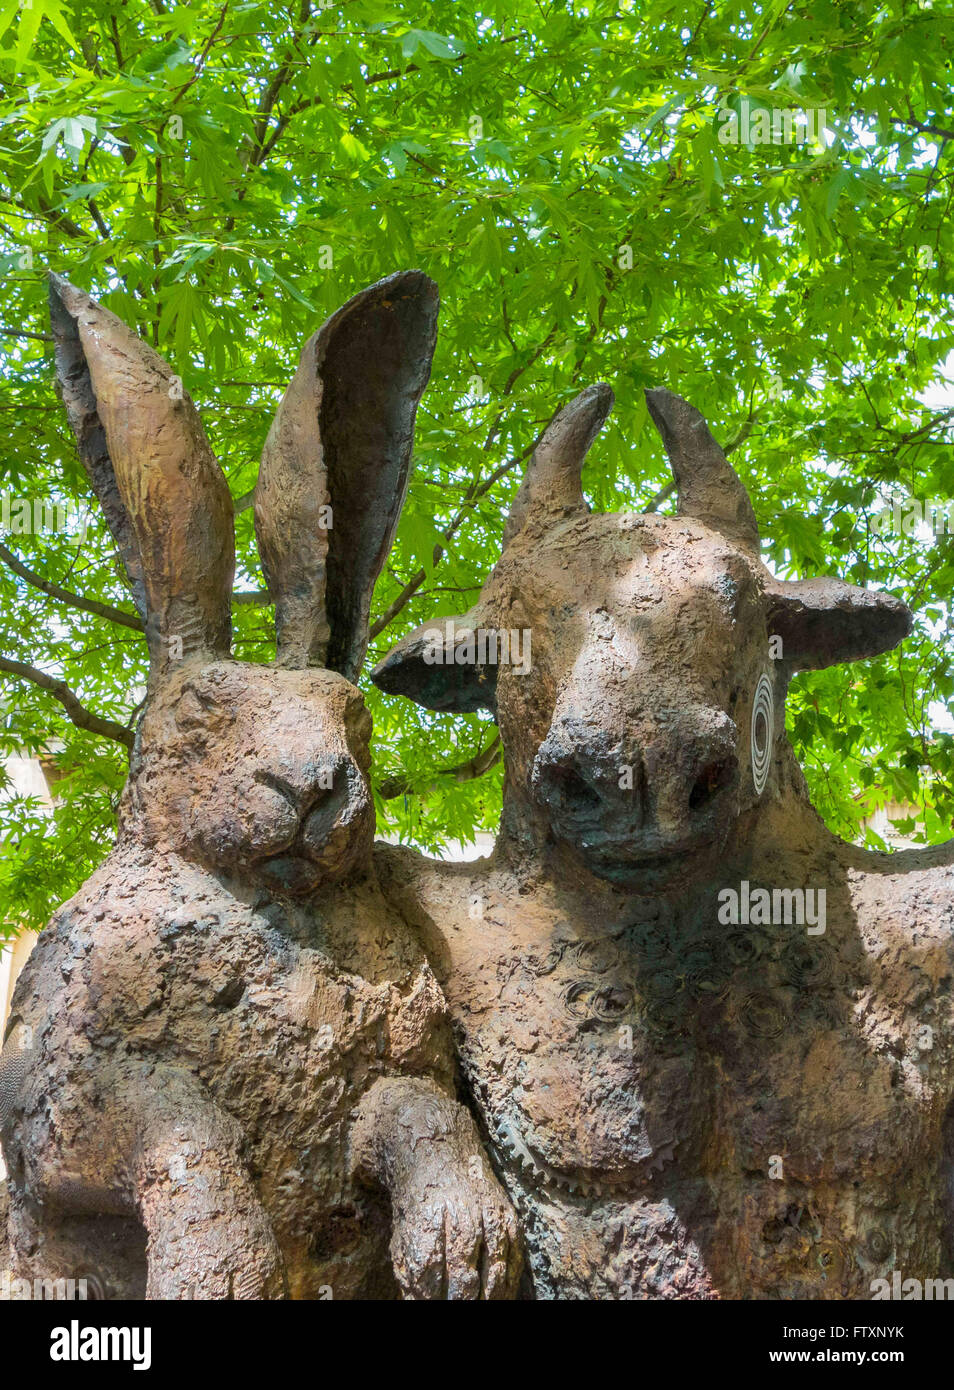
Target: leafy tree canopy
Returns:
[224, 175]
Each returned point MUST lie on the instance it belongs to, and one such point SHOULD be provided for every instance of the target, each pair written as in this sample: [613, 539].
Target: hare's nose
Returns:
[309, 786]
[346, 803]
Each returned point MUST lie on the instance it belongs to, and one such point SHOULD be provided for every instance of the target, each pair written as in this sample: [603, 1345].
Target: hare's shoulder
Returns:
[135, 936]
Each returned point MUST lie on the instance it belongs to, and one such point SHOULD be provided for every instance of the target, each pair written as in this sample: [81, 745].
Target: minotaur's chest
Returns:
[603, 1051]
[693, 1110]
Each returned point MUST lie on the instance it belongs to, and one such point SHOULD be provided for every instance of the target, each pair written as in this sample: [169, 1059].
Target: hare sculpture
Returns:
[228, 1071]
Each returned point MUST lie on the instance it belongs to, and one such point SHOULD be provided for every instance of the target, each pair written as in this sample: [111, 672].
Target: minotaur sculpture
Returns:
[695, 1086]
[228, 1072]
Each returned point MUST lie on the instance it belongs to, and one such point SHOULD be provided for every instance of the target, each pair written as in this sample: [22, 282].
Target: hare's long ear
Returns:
[164, 495]
[76, 393]
[335, 469]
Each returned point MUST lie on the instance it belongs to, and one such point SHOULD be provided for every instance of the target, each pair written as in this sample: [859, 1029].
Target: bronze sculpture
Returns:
[683, 1106]
[691, 1023]
[228, 1072]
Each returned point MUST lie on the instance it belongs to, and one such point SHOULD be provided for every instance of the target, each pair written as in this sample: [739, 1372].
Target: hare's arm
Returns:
[169, 1155]
[454, 1232]
[208, 1234]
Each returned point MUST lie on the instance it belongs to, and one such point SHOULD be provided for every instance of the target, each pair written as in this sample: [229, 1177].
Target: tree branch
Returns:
[474, 492]
[922, 129]
[76, 712]
[251, 598]
[86, 605]
[200, 61]
[22, 333]
[475, 767]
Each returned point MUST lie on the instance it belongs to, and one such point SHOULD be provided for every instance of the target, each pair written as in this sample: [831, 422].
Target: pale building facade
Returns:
[28, 779]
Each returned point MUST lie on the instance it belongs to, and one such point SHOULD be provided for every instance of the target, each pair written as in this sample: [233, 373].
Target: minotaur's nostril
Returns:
[573, 789]
[278, 784]
[348, 806]
[713, 777]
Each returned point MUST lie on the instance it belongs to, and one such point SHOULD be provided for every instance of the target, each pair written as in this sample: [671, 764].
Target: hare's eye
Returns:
[196, 712]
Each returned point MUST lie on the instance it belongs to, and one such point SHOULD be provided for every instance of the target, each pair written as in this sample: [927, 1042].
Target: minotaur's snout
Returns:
[671, 793]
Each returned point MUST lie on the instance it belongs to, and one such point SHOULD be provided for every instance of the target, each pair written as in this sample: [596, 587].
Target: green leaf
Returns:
[836, 186]
[448, 49]
[352, 146]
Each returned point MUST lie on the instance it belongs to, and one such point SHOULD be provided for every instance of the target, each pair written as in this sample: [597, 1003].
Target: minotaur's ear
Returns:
[164, 495]
[824, 621]
[335, 469]
[443, 666]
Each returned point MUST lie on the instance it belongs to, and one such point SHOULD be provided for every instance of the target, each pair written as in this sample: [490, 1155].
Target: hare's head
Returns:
[256, 771]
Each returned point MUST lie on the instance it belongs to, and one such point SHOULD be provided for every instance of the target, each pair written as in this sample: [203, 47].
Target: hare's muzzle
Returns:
[336, 829]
